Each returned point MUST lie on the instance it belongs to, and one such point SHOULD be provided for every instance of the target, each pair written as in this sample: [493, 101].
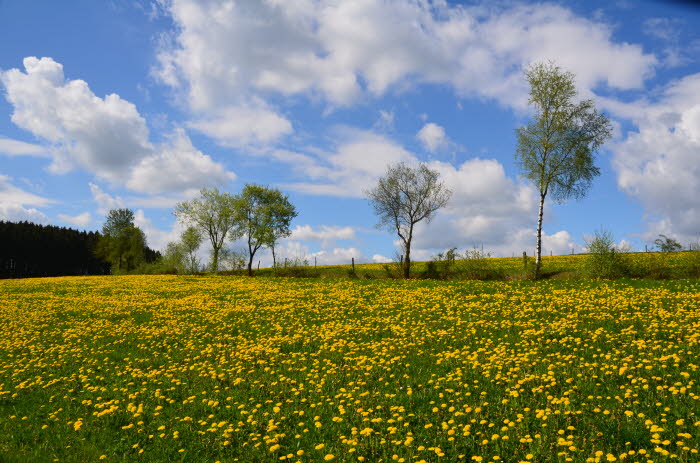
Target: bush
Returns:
[604, 260]
[294, 267]
[693, 263]
[441, 267]
[650, 265]
[234, 259]
[476, 265]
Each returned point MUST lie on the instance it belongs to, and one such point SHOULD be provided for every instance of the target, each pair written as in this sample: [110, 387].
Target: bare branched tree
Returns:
[403, 197]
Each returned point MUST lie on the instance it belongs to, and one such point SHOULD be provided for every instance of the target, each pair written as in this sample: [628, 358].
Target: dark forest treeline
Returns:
[31, 250]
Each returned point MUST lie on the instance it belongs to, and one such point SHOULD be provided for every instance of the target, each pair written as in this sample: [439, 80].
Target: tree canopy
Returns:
[213, 213]
[263, 215]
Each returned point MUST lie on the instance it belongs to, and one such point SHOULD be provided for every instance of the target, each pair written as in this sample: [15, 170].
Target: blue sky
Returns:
[139, 104]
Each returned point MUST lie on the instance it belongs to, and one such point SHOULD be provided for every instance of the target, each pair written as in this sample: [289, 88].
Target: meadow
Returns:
[226, 368]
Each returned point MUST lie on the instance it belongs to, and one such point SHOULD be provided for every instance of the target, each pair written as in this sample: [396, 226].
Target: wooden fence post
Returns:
[353, 264]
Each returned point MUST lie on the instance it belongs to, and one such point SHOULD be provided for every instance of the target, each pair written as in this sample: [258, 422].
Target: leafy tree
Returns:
[667, 244]
[122, 243]
[403, 197]
[264, 215]
[214, 213]
[173, 260]
[190, 241]
[556, 149]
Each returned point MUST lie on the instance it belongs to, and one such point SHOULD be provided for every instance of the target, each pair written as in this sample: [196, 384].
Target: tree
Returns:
[403, 197]
[556, 149]
[667, 244]
[264, 215]
[190, 241]
[173, 260]
[122, 243]
[214, 214]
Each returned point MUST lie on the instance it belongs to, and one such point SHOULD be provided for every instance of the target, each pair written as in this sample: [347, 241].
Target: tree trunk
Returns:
[215, 260]
[274, 259]
[250, 263]
[538, 259]
[407, 260]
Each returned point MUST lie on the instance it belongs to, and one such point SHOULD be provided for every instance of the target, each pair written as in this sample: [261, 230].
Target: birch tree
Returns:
[556, 150]
[214, 213]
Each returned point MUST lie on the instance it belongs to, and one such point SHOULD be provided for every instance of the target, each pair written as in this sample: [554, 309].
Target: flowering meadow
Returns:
[206, 369]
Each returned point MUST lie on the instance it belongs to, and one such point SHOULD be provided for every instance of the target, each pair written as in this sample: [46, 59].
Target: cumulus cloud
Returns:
[355, 164]
[243, 125]
[177, 166]
[104, 200]
[14, 203]
[327, 235]
[158, 238]
[12, 147]
[80, 220]
[658, 163]
[106, 136]
[433, 137]
[487, 208]
[222, 55]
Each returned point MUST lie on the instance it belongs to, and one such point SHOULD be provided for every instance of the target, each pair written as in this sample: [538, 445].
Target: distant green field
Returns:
[216, 368]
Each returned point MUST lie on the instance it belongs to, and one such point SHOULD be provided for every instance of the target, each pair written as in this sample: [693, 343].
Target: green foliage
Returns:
[403, 197]
[652, 265]
[214, 214]
[263, 215]
[477, 264]
[234, 259]
[667, 244]
[173, 259]
[122, 243]
[294, 267]
[604, 260]
[441, 267]
[190, 241]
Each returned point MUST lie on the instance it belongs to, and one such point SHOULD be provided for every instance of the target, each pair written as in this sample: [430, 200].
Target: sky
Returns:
[140, 104]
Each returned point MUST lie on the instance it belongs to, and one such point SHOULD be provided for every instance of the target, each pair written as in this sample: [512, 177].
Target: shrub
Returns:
[294, 267]
[441, 266]
[650, 265]
[476, 265]
[604, 259]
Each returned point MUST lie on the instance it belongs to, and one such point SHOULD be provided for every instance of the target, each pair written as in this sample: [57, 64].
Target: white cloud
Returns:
[354, 166]
[157, 238]
[12, 147]
[327, 235]
[104, 200]
[380, 259]
[177, 166]
[243, 125]
[338, 256]
[658, 163]
[105, 136]
[433, 137]
[14, 202]
[16, 213]
[80, 220]
[222, 54]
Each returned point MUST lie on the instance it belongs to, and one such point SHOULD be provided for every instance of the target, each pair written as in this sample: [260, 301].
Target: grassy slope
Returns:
[676, 265]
